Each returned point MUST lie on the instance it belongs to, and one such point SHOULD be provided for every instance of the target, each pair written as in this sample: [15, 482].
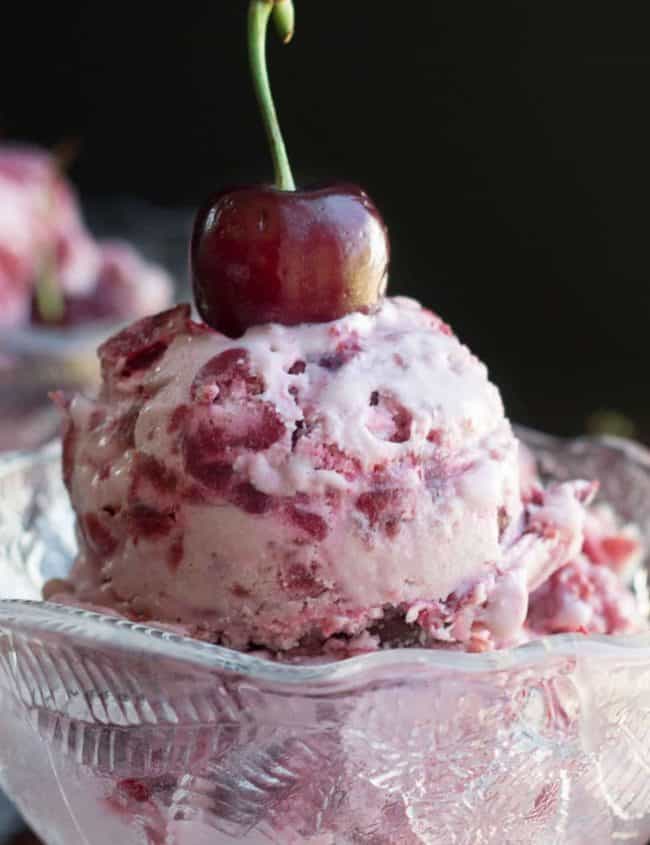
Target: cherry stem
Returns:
[49, 296]
[259, 12]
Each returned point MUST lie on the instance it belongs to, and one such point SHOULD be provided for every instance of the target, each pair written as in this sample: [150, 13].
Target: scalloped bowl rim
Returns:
[94, 629]
[91, 628]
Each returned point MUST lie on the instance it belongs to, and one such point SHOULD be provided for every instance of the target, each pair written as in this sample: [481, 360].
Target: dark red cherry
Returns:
[263, 255]
[274, 254]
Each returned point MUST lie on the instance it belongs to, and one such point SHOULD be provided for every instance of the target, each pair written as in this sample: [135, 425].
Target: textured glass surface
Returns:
[117, 733]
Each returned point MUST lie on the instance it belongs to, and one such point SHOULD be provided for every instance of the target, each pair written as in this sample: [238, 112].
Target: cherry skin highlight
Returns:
[260, 255]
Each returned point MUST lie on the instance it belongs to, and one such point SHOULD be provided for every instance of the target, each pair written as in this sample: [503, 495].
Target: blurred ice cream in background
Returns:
[61, 291]
[52, 271]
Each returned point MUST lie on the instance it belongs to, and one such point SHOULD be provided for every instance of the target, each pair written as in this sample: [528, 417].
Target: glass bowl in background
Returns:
[118, 732]
[35, 361]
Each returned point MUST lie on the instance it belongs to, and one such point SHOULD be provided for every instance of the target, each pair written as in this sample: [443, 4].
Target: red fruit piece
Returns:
[297, 368]
[344, 353]
[328, 456]
[386, 508]
[254, 427]
[134, 789]
[251, 500]
[178, 418]
[149, 522]
[310, 523]
[435, 436]
[143, 358]
[151, 476]
[619, 549]
[376, 503]
[212, 443]
[97, 419]
[299, 431]
[204, 459]
[175, 556]
[389, 420]
[230, 373]
[10, 265]
[176, 426]
[614, 551]
[140, 345]
[503, 521]
[216, 475]
[301, 582]
[99, 539]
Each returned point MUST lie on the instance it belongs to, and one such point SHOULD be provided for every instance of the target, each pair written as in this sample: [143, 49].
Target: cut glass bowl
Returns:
[114, 732]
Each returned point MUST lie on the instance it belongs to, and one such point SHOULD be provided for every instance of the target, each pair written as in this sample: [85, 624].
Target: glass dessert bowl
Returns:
[115, 731]
[35, 361]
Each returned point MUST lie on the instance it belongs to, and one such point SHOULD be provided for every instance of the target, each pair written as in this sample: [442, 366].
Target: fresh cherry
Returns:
[274, 254]
[263, 255]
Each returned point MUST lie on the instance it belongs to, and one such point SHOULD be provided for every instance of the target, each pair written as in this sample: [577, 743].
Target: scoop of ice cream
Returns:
[308, 482]
[41, 229]
[126, 285]
[591, 593]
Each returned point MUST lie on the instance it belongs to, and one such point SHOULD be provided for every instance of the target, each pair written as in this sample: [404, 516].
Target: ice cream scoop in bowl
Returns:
[115, 731]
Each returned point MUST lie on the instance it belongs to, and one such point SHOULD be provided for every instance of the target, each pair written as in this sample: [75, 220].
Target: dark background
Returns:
[507, 144]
